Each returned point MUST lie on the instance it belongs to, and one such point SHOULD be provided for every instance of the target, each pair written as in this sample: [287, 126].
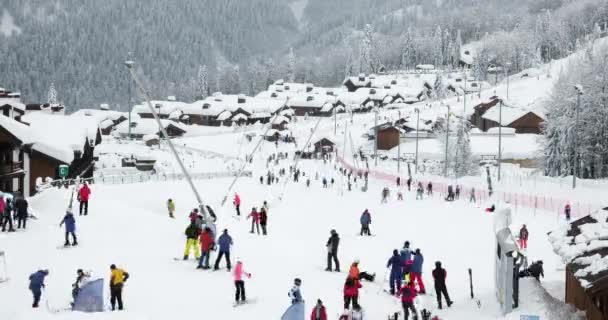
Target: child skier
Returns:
[239, 283]
[417, 271]
[171, 207]
[255, 220]
[357, 276]
[366, 220]
[523, 237]
[70, 228]
[295, 294]
[318, 312]
[237, 204]
[192, 232]
[36, 285]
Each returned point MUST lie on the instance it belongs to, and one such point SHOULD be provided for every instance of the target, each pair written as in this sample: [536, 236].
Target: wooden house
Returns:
[354, 83]
[143, 127]
[480, 109]
[324, 146]
[522, 120]
[388, 138]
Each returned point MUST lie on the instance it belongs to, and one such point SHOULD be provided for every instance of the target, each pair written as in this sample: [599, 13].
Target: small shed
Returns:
[324, 146]
[151, 140]
[280, 123]
[388, 138]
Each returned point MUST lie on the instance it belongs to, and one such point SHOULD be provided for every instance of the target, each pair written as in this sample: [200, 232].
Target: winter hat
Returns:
[395, 252]
[438, 264]
[417, 251]
[406, 244]
[79, 271]
[297, 281]
[112, 266]
[356, 261]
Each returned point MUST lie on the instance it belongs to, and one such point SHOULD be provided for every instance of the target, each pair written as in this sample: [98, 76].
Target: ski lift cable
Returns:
[164, 132]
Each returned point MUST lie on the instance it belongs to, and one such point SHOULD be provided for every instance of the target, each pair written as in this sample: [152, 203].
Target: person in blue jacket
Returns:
[36, 285]
[366, 220]
[417, 271]
[396, 265]
[224, 242]
[70, 228]
[406, 252]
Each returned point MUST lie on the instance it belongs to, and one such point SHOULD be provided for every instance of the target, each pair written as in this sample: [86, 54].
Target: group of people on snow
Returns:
[13, 210]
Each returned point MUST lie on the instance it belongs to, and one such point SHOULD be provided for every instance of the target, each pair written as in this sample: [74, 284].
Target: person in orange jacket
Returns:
[356, 275]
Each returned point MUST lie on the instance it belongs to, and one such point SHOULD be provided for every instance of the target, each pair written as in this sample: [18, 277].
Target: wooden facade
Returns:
[388, 138]
[324, 146]
[480, 109]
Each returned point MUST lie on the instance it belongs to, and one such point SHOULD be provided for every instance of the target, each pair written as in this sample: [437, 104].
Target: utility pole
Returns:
[417, 124]
[447, 140]
[579, 91]
[465, 92]
[507, 75]
[399, 153]
[129, 64]
[376, 137]
[335, 121]
[499, 136]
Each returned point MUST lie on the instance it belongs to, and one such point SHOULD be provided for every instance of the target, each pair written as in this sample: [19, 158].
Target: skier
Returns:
[396, 264]
[207, 242]
[263, 219]
[351, 292]
[417, 271]
[419, 191]
[439, 275]
[457, 193]
[324, 182]
[472, 197]
[255, 220]
[36, 285]
[308, 182]
[83, 197]
[239, 283]
[398, 181]
[408, 294]
[21, 207]
[429, 189]
[225, 241]
[450, 196]
[262, 180]
[237, 204]
[70, 228]
[366, 220]
[406, 252]
[295, 294]
[523, 237]
[171, 207]
[332, 250]
[318, 312]
[81, 279]
[409, 184]
[356, 275]
[192, 232]
[567, 211]
[7, 214]
[118, 277]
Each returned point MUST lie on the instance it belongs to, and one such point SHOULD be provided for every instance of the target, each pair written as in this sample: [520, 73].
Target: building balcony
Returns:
[10, 168]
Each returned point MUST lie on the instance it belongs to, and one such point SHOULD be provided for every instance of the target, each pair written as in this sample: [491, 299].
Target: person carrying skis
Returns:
[83, 196]
[7, 214]
[207, 242]
[439, 275]
[351, 292]
[237, 203]
[171, 207]
[396, 264]
[417, 271]
[408, 295]
[354, 273]
[225, 241]
[192, 232]
[255, 220]
[21, 207]
[332, 250]
[70, 228]
[567, 211]
[36, 285]
[295, 294]
[523, 237]
[118, 277]
[81, 279]
[263, 219]
[366, 220]
[239, 283]
[318, 312]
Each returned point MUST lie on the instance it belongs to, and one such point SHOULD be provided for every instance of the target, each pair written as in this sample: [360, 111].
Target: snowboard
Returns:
[242, 303]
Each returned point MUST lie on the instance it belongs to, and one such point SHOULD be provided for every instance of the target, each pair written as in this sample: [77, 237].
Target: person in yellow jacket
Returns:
[117, 279]
[171, 207]
[192, 233]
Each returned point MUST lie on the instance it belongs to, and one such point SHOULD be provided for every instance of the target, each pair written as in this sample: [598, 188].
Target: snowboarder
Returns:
[318, 312]
[264, 218]
[83, 196]
[255, 220]
[356, 275]
[366, 220]
[192, 232]
[207, 243]
[21, 206]
[239, 283]
[439, 275]
[396, 264]
[408, 294]
[417, 271]
[457, 192]
[534, 270]
[171, 207]
[7, 214]
[567, 211]
[429, 189]
[523, 237]
[472, 196]
[118, 277]
[332, 250]
[225, 241]
[81, 279]
[351, 292]
[237, 204]
[406, 252]
[36, 285]
[295, 294]
[70, 228]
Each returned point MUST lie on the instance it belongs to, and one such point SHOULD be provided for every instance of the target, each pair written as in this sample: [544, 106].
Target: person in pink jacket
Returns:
[255, 220]
[239, 283]
[237, 203]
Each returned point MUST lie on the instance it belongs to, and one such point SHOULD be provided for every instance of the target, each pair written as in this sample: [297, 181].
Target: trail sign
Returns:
[63, 171]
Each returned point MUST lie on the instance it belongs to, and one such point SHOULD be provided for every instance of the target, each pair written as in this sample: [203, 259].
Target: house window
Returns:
[206, 106]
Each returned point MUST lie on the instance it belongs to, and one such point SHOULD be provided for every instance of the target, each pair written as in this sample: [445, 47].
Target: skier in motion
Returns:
[70, 228]
[365, 220]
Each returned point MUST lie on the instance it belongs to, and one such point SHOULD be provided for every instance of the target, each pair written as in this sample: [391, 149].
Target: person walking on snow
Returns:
[7, 214]
[439, 275]
[192, 233]
[351, 292]
[472, 197]
[396, 264]
[118, 277]
[21, 207]
[429, 189]
[207, 242]
[408, 295]
[419, 191]
[255, 220]
[83, 196]
[36, 285]
[523, 237]
[567, 211]
[295, 294]
[332, 250]
[70, 228]
[318, 312]
[354, 273]
[366, 220]
[171, 207]
[239, 283]
[406, 252]
[263, 219]
[225, 241]
[237, 204]
[417, 271]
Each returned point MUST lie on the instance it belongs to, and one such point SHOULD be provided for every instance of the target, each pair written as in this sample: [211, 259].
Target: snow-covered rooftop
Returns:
[508, 114]
[147, 126]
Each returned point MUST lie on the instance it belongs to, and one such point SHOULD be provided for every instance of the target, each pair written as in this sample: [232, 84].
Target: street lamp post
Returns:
[579, 93]
[417, 124]
[376, 137]
[499, 136]
[447, 141]
[465, 92]
[508, 64]
[129, 64]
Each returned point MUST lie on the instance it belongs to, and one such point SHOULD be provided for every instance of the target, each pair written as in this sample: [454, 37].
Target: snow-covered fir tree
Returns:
[52, 94]
[439, 88]
[367, 52]
[464, 162]
[291, 66]
[203, 82]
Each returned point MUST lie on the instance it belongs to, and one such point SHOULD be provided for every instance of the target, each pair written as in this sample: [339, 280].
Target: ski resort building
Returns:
[488, 114]
[10, 104]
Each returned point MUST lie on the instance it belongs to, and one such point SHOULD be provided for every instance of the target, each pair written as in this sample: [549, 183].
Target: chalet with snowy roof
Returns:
[480, 109]
[520, 119]
[143, 127]
[52, 108]
[583, 246]
[354, 83]
[107, 119]
[324, 145]
[280, 123]
[305, 104]
[10, 104]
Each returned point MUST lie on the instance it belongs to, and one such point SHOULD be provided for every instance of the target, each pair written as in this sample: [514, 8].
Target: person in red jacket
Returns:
[255, 220]
[206, 240]
[83, 197]
[408, 294]
[351, 292]
[523, 237]
[237, 204]
[318, 312]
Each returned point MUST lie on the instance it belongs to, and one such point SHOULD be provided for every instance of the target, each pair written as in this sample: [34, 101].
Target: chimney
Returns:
[241, 98]
[309, 98]
[361, 76]
[309, 87]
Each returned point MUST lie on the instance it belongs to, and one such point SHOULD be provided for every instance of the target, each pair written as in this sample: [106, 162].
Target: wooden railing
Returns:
[7, 168]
